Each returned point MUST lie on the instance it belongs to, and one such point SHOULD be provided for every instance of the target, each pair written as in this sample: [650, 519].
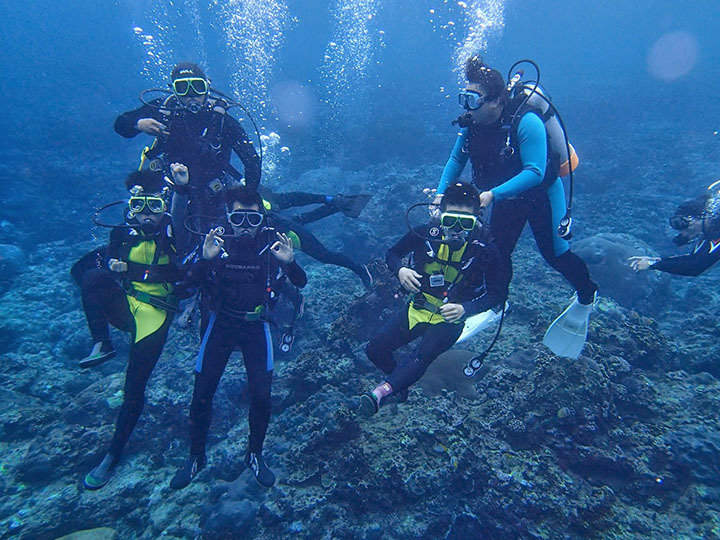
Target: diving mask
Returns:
[458, 221]
[239, 217]
[139, 204]
[471, 100]
[182, 87]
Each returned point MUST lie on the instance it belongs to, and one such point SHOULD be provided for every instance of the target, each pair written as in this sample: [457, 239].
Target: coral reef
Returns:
[621, 443]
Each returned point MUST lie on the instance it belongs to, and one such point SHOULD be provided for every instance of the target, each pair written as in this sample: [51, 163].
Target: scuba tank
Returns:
[535, 98]
[532, 97]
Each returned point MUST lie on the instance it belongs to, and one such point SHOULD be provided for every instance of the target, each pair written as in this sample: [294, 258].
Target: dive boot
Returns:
[101, 474]
[351, 205]
[264, 476]
[369, 405]
[101, 352]
[187, 472]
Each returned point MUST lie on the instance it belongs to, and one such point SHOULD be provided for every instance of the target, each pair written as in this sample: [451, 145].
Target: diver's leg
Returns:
[394, 334]
[291, 199]
[436, 339]
[544, 220]
[316, 214]
[104, 302]
[256, 345]
[506, 224]
[143, 357]
[310, 245]
[215, 350]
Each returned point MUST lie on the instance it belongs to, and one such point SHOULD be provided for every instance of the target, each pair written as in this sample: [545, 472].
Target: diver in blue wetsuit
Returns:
[695, 220]
[518, 176]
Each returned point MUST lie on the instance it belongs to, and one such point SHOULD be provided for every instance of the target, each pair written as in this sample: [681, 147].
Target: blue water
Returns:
[358, 95]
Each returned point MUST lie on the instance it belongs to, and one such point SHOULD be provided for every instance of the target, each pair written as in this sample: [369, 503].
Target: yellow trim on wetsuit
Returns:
[148, 319]
[451, 275]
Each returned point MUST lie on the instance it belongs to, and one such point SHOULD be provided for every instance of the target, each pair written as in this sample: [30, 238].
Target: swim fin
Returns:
[351, 205]
[567, 334]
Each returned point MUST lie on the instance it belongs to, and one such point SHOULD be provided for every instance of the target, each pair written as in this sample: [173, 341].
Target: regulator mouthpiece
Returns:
[464, 120]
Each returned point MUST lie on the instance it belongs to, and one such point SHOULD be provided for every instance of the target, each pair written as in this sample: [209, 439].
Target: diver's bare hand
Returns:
[179, 173]
[116, 265]
[642, 262]
[452, 312]
[486, 198]
[283, 249]
[151, 127]
[212, 246]
[409, 279]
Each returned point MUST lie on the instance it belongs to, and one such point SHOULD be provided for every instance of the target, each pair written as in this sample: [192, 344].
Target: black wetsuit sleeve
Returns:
[295, 274]
[196, 274]
[408, 243]
[117, 239]
[494, 272]
[235, 135]
[125, 123]
[178, 211]
[692, 264]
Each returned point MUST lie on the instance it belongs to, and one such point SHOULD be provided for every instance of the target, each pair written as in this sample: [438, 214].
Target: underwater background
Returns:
[357, 96]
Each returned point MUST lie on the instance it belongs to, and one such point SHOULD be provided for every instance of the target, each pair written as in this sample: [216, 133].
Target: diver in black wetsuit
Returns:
[135, 292]
[239, 277]
[195, 128]
[458, 274]
[696, 220]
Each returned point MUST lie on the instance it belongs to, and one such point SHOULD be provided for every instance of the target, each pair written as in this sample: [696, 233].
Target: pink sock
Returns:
[382, 391]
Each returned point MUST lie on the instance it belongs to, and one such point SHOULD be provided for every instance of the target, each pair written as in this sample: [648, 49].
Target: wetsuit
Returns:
[308, 243]
[291, 199]
[202, 141]
[526, 189]
[238, 290]
[121, 299]
[705, 254]
[472, 275]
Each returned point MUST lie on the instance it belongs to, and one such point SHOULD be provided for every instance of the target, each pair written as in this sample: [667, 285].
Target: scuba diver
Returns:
[239, 276]
[135, 292]
[192, 125]
[516, 163]
[455, 272]
[695, 220]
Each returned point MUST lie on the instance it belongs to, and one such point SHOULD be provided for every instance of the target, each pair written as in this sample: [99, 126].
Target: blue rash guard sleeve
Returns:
[532, 144]
[455, 164]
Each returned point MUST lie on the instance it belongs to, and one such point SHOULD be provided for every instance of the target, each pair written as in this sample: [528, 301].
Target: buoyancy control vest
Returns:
[206, 145]
[494, 150]
[244, 281]
[442, 269]
[149, 279]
